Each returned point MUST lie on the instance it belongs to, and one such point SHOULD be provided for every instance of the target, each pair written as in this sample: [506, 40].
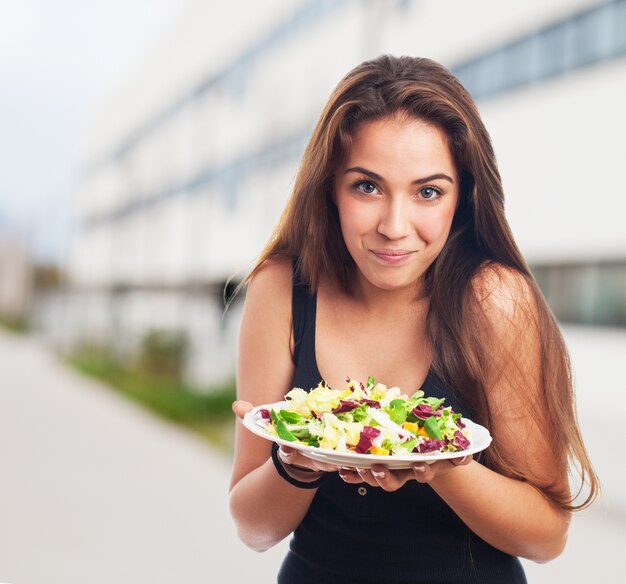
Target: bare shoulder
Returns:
[268, 299]
[272, 281]
[265, 338]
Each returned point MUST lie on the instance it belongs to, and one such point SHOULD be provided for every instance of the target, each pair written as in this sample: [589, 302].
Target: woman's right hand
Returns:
[241, 408]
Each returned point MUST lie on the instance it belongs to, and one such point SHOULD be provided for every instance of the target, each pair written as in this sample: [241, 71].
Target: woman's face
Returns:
[396, 195]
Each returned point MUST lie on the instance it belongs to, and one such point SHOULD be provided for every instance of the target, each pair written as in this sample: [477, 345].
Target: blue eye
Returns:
[430, 193]
[366, 187]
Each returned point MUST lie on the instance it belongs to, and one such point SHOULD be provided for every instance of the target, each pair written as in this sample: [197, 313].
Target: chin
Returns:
[391, 284]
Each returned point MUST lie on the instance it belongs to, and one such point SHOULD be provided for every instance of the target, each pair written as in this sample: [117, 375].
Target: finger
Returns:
[380, 473]
[241, 407]
[387, 479]
[286, 454]
[293, 457]
[366, 477]
[462, 461]
[423, 472]
[350, 476]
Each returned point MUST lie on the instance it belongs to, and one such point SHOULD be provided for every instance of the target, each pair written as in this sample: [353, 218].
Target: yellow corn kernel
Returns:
[411, 427]
[379, 450]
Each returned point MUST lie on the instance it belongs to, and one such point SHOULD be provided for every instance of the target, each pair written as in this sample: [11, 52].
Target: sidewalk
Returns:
[93, 490]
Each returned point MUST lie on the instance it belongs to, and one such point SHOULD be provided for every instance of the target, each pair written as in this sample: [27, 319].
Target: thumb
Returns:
[462, 461]
[241, 407]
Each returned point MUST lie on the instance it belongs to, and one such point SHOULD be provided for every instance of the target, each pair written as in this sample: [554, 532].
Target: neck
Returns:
[397, 301]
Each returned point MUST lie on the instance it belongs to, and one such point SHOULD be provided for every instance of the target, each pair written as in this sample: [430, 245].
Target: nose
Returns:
[394, 222]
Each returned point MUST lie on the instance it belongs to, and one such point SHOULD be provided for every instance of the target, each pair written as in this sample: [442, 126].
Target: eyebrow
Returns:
[417, 181]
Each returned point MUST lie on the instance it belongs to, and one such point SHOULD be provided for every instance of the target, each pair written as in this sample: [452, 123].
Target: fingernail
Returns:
[360, 470]
[378, 474]
[419, 468]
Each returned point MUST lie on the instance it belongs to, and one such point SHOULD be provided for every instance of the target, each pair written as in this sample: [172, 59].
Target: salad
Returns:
[366, 419]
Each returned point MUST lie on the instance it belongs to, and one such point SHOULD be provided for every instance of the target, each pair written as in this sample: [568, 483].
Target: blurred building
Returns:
[188, 166]
[16, 280]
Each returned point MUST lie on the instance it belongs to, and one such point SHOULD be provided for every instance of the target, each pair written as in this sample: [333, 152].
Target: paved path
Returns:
[94, 490]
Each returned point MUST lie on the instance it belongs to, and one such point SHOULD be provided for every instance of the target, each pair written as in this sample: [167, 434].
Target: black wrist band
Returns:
[280, 469]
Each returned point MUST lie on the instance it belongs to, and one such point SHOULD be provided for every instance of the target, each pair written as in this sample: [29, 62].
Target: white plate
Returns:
[480, 439]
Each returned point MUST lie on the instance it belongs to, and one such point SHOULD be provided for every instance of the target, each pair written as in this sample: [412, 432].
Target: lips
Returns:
[392, 256]
[392, 252]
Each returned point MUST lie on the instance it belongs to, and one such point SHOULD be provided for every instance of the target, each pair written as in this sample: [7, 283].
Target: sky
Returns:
[58, 59]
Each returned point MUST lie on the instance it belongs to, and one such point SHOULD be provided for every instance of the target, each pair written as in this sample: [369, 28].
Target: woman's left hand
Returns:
[392, 480]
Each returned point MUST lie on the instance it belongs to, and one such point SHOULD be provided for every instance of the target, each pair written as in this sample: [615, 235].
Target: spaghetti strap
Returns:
[299, 295]
[303, 314]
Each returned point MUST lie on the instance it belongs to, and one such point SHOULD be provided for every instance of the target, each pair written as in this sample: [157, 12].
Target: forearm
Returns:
[266, 508]
[510, 515]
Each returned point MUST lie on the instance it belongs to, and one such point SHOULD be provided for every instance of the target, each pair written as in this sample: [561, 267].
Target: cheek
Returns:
[434, 228]
[355, 218]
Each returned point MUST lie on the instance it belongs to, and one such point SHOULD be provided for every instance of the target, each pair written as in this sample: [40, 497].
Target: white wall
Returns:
[560, 150]
[558, 142]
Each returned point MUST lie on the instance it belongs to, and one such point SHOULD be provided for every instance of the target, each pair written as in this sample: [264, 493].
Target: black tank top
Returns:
[361, 534]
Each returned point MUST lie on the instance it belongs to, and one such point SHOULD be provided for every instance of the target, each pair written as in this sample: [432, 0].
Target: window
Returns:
[586, 293]
[580, 40]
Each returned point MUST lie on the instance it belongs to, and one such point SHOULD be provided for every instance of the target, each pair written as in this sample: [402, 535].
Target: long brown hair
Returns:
[309, 230]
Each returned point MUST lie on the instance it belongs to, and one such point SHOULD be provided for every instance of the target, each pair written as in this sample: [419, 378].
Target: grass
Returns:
[18, 324]
[206, 412]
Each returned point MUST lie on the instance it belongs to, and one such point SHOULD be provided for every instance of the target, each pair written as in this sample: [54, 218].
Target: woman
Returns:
[393, 258]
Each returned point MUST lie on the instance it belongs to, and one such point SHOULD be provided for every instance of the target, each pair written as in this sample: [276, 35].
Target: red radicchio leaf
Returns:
[460, 441]
[430, 446]
[460, 423]
[372, 403]
[345, 405]
[265, 413]
[424, 411]
[365, 440]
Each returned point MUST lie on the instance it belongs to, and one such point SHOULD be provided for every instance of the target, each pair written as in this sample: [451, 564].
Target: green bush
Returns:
[164, 353]
[206, 411]
[15, 324]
